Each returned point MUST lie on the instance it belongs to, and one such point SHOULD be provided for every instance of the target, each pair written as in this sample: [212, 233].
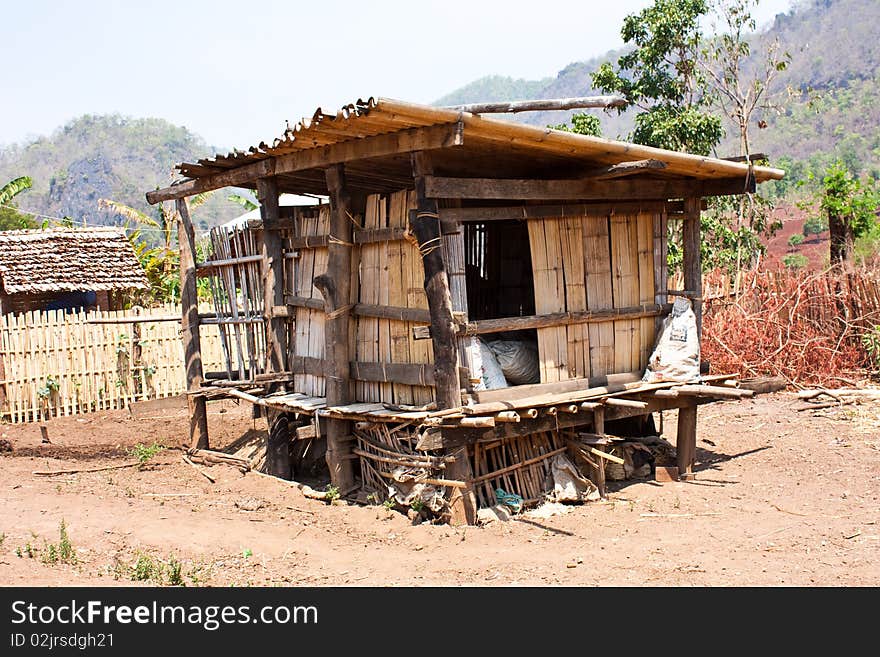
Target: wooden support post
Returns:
[693, 276]
[335, 287]
[273, 275]
[189, 328]
[599, 430]
[278, 446]
[686, 440]
[425, 225]
[462, 501]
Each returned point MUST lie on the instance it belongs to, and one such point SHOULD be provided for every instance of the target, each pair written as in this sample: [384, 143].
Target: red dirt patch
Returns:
[780, 497]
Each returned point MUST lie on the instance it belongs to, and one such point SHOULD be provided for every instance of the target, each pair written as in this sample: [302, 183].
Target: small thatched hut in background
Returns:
[66, 269]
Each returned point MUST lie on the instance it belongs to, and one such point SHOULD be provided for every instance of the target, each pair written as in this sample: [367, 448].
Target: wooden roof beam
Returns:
[626, 169]
[404, 141]
[589, 189]
[545, 105]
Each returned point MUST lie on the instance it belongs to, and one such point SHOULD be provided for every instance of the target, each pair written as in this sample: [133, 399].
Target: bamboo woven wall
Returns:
[593, 263]
[54, 364]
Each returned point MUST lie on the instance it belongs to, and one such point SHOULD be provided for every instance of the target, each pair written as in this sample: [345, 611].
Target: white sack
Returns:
[677, 354]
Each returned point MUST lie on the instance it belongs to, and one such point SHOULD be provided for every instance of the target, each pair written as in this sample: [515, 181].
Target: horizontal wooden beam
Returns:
[484, 326]
[624, 169]
[631, 189]
[404, 373]
[452, 437]
[544, 105]
[514, 212]
[210, 267]
[403, 141]
[360, 237]
[403, 314]
[400, 313]
[229, 178]
[308, 241]
[746, 158]
[394, 234]
[296, 302]
[569, 385]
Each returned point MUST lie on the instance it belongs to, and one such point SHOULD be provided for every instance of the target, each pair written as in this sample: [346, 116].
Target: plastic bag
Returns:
[677, 354]
[518, 360]
[493, 377]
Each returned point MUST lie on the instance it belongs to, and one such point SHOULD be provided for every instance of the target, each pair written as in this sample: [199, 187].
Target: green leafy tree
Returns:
[582, 124]
[851, 206]
[660, 76]
[815, 225]
[10, 217]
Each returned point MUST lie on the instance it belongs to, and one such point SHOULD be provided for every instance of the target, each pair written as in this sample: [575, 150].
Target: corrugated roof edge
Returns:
[502, 131]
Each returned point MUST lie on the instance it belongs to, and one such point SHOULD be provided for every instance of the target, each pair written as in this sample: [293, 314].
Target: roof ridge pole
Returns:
[335, 287]
[189, 326]
[425, 225]
[277, 446]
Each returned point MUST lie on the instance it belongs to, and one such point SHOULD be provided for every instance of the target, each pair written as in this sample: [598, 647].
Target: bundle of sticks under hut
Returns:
[470, 312]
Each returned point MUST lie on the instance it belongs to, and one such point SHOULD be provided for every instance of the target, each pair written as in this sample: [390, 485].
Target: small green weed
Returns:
[871, 343]
[174, 570]
[145, 569]
[144, 453]
[60, 552]
[332, 493]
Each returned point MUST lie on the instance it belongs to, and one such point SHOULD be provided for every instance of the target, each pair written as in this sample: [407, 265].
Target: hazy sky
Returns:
[234, 71]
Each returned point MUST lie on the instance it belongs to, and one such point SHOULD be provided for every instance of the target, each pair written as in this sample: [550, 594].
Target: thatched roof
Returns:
[68, 259]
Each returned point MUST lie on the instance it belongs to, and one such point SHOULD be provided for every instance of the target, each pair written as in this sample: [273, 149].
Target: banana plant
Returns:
[161, 262]
[14, 187]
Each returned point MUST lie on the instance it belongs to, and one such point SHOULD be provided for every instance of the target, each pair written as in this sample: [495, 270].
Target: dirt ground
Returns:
[781, 498]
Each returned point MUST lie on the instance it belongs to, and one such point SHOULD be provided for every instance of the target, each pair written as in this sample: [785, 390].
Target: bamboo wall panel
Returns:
[597, 268]
[593, 263]
[645, 230]
[547, 266]
[625, 290]
[57, 364]
[390, 274]
[308, 330]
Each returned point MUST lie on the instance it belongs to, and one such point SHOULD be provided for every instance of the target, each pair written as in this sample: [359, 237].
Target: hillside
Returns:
[106, 156]
[834, 75]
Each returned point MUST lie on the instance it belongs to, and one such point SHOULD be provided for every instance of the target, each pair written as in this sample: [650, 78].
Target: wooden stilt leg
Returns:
[686, 442]
[463, 501]
[599, 429]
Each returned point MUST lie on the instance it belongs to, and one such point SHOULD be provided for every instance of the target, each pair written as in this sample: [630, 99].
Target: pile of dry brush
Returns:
[810, 328]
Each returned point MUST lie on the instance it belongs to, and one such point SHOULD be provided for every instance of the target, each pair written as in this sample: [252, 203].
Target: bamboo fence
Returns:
[54, 364]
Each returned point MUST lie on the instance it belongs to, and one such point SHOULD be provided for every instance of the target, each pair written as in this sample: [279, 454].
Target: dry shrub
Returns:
[806, 327]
